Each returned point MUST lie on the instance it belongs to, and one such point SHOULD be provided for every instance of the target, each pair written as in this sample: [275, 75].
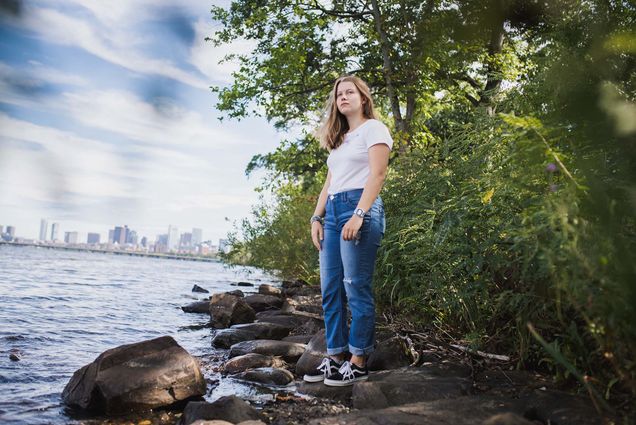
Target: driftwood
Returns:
[499, 357]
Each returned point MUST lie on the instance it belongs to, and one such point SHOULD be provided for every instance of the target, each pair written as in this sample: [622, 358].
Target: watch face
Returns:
[360, 212]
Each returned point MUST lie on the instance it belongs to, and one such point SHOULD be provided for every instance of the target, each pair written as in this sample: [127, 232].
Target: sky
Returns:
[107, 119]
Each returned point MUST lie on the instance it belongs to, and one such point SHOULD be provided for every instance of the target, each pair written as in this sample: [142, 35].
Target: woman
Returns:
[347, 227]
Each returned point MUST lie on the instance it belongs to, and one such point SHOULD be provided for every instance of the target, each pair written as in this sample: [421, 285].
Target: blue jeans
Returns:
[346, 273]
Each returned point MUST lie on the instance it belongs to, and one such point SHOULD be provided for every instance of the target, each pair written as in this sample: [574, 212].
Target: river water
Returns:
[60, 309]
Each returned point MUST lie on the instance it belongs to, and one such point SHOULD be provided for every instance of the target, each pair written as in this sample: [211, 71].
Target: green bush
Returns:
[497, 229]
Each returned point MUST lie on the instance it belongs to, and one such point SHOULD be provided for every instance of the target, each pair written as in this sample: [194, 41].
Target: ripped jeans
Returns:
[346, 273]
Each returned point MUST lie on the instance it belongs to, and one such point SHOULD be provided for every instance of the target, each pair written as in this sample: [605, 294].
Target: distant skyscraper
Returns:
[71, 237]
[144, 241]
[185, 240]
[132, 237]
[93, 238]
[1, 230]
[55, 230]
[197, 236]
[173, 238]
[111, 235]
[10, 231]
[44, 226]
[119, 235]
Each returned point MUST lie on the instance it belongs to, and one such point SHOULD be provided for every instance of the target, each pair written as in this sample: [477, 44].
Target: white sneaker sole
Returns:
[333, 383]
[314, 378]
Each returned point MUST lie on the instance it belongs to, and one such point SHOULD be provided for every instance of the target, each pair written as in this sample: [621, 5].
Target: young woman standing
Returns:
[347, 227]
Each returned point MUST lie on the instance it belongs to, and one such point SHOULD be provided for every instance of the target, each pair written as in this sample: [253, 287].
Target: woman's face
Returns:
[348, 99]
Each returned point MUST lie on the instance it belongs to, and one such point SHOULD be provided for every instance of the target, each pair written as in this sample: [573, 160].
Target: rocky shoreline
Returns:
[269, 339]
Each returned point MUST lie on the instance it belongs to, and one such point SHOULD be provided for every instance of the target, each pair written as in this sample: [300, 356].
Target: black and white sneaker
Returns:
[327, 368]
[348, 374]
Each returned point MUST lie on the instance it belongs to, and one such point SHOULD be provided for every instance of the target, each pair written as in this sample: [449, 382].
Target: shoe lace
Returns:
[325, 366]
[346, 371]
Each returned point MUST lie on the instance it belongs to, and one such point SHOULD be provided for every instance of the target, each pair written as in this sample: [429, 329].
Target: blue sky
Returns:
[106, 118]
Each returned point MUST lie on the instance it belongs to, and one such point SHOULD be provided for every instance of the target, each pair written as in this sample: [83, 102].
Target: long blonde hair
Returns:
[335, 125]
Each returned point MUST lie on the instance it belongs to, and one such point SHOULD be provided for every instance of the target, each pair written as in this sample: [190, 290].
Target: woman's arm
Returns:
[322, 199]
[316, 226]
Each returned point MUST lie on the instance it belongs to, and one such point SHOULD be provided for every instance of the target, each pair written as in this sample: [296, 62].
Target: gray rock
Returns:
[138, 376]
[246, 284]
[266, 289]
[320, 390]
[227, 408]
[507, 419]
[212, 422]
[267, 375]
[197, 307]
[407, 385]
[225, 338]
[289, 351]
[226, 310]
[270, 313]
[236, 292]
[389, 354]
[251, 361]
[301, 339]
[264, 330]
[306, 303]
[260, 302]
[456, 411]
[314, 353]
[301, 324]
[558, 407]
[197, 288]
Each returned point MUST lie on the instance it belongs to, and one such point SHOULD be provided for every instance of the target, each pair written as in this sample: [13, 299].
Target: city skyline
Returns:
[48, 227]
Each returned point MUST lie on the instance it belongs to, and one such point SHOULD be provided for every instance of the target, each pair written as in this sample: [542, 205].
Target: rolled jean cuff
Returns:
[335, 351]
[361, 351]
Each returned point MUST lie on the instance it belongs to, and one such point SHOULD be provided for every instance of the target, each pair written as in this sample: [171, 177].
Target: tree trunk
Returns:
[495, 46]
[401, 126]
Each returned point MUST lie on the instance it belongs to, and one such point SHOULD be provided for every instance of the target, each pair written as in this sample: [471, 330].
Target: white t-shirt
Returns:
[349, 164]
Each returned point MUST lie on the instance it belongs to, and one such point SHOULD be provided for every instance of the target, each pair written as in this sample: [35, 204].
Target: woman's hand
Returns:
[351, 228]
[316, 234]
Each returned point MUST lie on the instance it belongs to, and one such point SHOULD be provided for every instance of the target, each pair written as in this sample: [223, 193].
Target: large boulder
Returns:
[289, 351]
[456, 411]
[267, 375]
[251, 361]
[225, 338]
[264, 330]
[260, 302]
[320, 390]
[134, 377]
[407, 385]
[314, 353]
[227, 408]
[226, 310]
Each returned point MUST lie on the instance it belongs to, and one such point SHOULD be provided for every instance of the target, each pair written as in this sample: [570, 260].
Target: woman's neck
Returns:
[355, 122]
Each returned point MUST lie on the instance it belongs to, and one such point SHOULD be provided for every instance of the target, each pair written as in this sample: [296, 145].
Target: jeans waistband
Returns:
[347, 194]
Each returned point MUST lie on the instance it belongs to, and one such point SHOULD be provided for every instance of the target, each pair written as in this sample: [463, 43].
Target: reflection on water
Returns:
[61, 309]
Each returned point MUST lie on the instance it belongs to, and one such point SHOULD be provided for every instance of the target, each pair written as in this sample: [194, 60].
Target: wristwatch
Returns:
[317, 218]
[359, 212]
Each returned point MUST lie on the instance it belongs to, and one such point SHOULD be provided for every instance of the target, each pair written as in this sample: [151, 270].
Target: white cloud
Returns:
[115, 44]
[45, 164]
[205, 57]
